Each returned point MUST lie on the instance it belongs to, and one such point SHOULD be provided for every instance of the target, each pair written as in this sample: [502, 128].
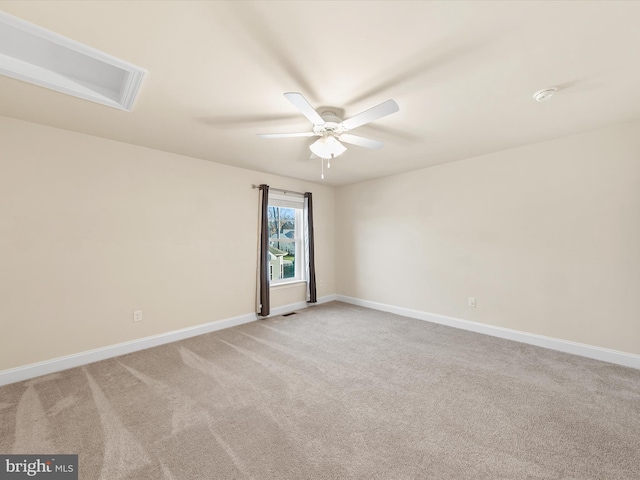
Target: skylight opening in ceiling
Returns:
[33, 54]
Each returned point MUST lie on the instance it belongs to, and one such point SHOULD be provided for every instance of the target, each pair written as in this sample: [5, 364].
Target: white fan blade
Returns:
[374, 113]
[305, 107]
[313, 155]
[360, 141]
[286, 135]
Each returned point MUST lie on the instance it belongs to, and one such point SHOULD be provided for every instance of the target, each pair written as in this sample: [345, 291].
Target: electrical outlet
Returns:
[137, 316]
[472, 301]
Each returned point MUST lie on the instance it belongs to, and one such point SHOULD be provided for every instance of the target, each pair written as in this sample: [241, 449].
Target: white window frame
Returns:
[295, 202]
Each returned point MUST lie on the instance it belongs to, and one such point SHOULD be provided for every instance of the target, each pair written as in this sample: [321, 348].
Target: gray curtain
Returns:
[309, 249]
[264, 307]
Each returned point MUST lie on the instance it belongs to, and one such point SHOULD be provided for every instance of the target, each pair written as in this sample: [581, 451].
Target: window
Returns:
[286, 256]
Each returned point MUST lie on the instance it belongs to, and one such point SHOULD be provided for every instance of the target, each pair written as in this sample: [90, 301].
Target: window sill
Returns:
[292, 283]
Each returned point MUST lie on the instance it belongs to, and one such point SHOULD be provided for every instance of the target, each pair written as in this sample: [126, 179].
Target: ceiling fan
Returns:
[332, 130]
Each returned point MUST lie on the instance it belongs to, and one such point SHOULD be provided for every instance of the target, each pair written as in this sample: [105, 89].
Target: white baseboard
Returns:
[33, 370]
[63, 363]
[581, 349]
[298, 305]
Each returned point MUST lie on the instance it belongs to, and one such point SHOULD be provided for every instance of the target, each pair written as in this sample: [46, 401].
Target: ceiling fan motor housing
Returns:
[332, 125]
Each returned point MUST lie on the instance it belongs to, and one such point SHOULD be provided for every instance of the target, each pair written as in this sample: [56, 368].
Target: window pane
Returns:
[282, 242]
[282, 258]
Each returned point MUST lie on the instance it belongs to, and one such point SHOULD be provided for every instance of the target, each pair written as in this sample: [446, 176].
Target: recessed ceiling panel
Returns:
[33, 54]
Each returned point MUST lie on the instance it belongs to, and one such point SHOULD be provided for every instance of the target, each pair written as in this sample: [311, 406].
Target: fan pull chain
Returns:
[322, 163]
[329, 161]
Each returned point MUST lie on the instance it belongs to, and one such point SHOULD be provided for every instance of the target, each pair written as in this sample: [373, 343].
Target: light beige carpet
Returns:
[335, 392]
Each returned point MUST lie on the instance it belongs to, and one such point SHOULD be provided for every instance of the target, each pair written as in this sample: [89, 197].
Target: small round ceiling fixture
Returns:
[546, 94]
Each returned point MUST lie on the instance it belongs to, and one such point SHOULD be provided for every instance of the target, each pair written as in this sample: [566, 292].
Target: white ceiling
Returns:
[463, 74]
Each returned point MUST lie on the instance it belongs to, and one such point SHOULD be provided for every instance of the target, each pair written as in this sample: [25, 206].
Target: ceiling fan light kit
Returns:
[327, 147]
[332, 130]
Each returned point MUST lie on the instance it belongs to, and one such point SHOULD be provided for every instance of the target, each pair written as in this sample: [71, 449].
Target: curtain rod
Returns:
[278, 189]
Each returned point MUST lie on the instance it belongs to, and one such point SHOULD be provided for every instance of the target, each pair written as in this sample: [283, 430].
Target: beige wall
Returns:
[92, 229]
[546, 237]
